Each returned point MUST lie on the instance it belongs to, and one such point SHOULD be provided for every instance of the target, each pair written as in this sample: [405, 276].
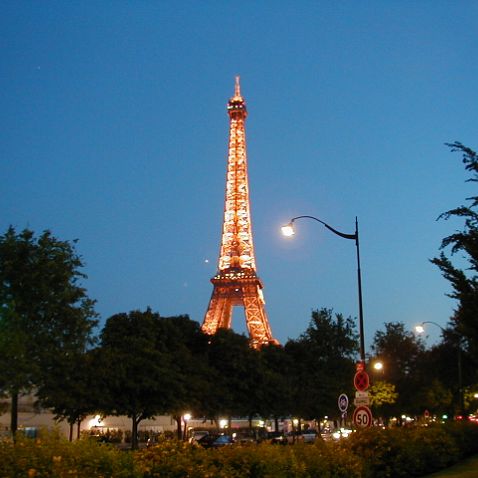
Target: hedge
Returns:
[368, 453]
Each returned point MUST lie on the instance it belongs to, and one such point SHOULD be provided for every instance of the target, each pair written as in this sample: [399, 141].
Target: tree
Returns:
[184, 340]
[275, 389]
[322, 364]
[140, 378]
[44, 311]
[382, 394]
[436, 397]
[464, 282]
[70, 391]
[231, 360]
[401, 351]
[444, 365]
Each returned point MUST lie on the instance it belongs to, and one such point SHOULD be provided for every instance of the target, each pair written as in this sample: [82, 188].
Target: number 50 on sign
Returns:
[362, 417]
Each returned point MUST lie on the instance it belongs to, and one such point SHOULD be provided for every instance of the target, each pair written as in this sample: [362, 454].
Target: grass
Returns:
[465, 469]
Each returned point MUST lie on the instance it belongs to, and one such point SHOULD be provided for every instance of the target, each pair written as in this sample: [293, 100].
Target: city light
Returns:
[95, 422]
[288, 230]
[419, 329]
[378, 366]
[223, 423]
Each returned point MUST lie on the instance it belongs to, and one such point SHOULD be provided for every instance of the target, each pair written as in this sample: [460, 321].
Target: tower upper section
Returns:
[237, 105]
[237, 250]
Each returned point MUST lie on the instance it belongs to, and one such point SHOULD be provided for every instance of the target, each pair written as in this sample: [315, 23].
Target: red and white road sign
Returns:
[361, 381]
[362, 417]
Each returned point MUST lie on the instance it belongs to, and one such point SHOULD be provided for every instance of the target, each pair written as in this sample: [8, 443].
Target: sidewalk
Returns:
[465, 469]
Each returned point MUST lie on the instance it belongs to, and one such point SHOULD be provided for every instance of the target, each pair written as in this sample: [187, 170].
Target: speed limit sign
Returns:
[362, 417]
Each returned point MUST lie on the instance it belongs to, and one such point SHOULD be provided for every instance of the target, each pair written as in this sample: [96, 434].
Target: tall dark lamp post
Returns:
[288, 230]
[420, 329]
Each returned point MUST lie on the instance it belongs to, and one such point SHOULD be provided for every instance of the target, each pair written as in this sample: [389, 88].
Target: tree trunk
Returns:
[276, 424]
[78, 431]
[14, 414]
[70, 435]
[179, 429]
[134, 436]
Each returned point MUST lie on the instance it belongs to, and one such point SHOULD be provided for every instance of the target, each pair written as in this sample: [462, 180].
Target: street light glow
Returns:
[419, 329]
[288, 230]
[378, 365]
[223, 423]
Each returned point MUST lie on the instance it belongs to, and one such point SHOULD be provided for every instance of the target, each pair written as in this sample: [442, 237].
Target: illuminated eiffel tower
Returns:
[236, 282]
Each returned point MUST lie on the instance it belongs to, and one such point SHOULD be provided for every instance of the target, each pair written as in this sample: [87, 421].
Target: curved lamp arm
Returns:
[288, 230]
[434, 323]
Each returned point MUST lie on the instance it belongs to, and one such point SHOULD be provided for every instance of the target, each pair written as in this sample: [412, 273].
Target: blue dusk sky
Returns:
[114, 131]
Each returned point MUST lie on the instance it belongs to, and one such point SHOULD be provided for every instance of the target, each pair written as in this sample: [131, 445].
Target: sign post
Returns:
[362, 416]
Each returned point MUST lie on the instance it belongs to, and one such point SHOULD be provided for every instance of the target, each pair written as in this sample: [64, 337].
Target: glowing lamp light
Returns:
[95, 422]
[187, 417]
[288, 230]
[419, 329]
[223, 423]
[378, 366]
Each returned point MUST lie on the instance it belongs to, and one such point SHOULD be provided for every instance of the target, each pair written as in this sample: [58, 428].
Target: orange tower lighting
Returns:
[236, 282]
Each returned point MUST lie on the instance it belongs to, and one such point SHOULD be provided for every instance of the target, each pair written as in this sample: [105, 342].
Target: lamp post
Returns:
[186, 418]
[420, 329]
[288, 230]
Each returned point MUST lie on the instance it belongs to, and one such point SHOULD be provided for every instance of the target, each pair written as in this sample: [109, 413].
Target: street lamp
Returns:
[288, 230]
[378, 366]
[419, 329]
[186, 418]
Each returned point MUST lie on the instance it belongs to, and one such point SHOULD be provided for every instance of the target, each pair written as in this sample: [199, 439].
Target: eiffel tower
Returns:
[236, 282]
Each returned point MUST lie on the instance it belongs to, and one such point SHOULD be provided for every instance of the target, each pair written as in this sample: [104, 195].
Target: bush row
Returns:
[369, 453]
[405, 452]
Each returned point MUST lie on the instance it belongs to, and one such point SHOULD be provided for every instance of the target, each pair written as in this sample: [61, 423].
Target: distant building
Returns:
[32, 418]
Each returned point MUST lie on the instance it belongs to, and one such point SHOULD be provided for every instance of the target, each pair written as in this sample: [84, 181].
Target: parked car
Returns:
[309, 436]
[276, 438]
[214, 440]
[244, 437]
[294, 437]
[196, 435]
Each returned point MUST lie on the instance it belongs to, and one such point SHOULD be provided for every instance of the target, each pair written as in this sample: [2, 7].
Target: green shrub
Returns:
[403, 452]
[377, 453]
[378, 449]
[465, 435]
[51, 456]
[176, 459]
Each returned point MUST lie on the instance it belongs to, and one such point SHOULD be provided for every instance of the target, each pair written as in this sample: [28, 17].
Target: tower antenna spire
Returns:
[237, 87]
